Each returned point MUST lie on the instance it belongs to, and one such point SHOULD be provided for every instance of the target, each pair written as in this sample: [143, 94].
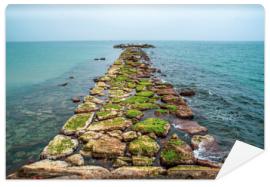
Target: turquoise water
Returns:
[228, 78]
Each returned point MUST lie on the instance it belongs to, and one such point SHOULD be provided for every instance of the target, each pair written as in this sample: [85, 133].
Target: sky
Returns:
[135, 22]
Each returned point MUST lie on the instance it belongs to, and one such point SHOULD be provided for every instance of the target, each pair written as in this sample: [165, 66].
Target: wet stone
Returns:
[92, 99]
[142, 161]
[129, 136]
[106, 114]
[89, 135]
[190, 127]
[75, 159]
[86, 108]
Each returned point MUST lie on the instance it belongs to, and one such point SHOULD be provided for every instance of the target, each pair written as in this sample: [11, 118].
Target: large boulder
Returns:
[77, 122]
[46, 169]
[143, 145]
[188, 126]
[118, 123]
[105, 147]
[61, 146]
[176, 152]
[192, 172]
[156, 125]
[138, 172]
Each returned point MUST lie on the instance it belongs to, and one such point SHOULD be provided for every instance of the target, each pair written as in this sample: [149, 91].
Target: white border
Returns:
[254, 173]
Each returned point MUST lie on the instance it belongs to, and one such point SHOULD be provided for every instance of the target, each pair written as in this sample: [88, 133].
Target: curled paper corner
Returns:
[240, 154]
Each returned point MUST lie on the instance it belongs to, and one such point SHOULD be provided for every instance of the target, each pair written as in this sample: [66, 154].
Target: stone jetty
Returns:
[130, 126]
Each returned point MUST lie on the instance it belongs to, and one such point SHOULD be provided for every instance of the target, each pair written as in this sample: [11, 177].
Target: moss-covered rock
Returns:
[132, 113]
[176, 152]
[145, 93]
[143, 145]
[142, 161]
[59, 147]
[171, 108]
[192, 172]
[97, 91]
[105, 147]
[118, 123]
[144, 106]
[75, 159]
[158, 126]
[110, 107]
[92, 99]
[86, 108]
[136, 99]
[161, 112]
[106, 114]
[129, 135]
[118, 94]
[77, 122]
[89, 135]
[140, 88]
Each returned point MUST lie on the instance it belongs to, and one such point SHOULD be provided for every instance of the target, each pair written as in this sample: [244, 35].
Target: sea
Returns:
[228, 78]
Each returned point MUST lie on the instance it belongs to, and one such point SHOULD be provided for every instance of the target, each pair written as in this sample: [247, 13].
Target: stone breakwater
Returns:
[127, 128]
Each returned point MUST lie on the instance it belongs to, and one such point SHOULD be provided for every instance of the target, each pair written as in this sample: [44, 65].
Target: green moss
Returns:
[171, 108]
[169, 155]
[140, 88]
[116, 100]
[144, 145]
[145, 82]
[77, 121]
[131, 85]
[144, 106]
[136, 99]
[133, 113]
[112, 107]
[155, 125]
[145, 94]
[162, 111]
[176, 142]
[57, 147]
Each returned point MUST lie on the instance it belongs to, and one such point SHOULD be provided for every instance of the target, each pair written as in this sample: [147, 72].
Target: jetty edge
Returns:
[123, 130]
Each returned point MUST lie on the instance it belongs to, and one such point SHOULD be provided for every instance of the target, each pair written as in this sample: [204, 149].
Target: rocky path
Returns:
[129, 126]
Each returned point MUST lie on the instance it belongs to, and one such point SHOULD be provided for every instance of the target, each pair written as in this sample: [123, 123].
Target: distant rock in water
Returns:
[75, 99]
[102, 58]
[71, 77]
[123, 46]
[64, 84]
[187, 92]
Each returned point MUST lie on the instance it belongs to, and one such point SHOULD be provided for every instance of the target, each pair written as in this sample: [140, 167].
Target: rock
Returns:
[107, 114]
[125, 158]
[119, 163]
[172, 99]
[64, 84]
[71, 77]
[184, 112]
[96, 79]
[152, 135]
[161, 112]
[118, 123]
[158, 126]
[75, 159]
[97, 91]
[187, 93]
[142, 161]
[75, 99]
[46, 169]
[176, 152]
[167, 91]
[96, 59]
[209, 163]
[129, 136]
[101, 84]
[145, 93]
[61, 146]
[102, 58]
[190, 127]
[77, 123]
[143, 145]
[105, 147]
[86, 108]
[138, 172]
[124, 46]
[132, 113]
[92, 99]
[110, 107]
[205, 141]
[89, 135]
[115, 134]
[192, 172]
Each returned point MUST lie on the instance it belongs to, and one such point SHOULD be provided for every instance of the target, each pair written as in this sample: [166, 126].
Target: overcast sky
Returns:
[134, 22]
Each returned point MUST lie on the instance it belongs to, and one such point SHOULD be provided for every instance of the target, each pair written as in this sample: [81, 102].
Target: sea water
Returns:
[228, 78]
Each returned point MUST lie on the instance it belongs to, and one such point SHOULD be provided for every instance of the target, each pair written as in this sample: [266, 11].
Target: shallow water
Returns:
[228, 78]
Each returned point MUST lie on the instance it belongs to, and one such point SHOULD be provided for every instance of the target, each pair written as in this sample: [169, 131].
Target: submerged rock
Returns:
[105, 147]
[158, 126]
[187, 92]
[63, 84]
[176, 152]
[143, 145]
[77, 122]
[86, 108]
[192, 172]
[118, 123]
[75, 159]
[190, 127]
[61, 146]
[138, 172]
[75, 99]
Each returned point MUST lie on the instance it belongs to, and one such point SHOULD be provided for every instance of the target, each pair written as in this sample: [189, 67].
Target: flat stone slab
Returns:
[77, 122]
[106, 114]
[46, 169]
[86, 108]
[118, 123]
[105, 147]
[89, 135]
[138, 172]
[61, 146]
[190, 127]
[92, 99]
[192, 172]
